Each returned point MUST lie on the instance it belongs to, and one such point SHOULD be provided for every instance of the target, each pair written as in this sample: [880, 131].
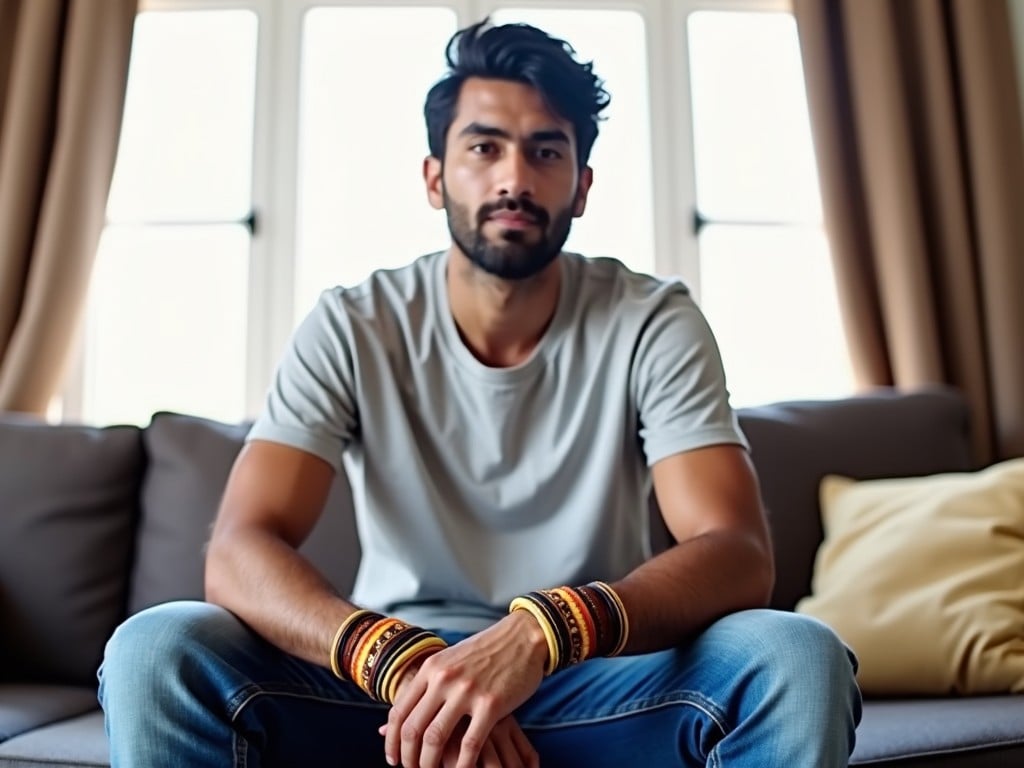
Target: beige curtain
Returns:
[914, 109]
[63, 68]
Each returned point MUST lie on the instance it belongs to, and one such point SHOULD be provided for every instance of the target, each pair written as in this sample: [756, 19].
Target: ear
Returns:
[432, 178]
[582, 190]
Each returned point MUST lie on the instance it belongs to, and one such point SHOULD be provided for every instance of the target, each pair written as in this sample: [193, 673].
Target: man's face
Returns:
[509, 182]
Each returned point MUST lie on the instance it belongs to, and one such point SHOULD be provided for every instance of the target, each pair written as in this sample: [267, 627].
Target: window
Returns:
[360, 154]
[282, 156]
[166, 323]
[765, 272]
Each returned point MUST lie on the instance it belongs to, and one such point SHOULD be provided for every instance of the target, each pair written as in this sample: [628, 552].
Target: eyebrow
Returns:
[479, 129]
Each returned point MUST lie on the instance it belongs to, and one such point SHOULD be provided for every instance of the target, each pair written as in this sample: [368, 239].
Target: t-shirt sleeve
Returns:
[311, 404]
[681, 393]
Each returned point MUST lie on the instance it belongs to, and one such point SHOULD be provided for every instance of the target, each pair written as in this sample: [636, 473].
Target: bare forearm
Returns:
[685, 588]
[272, 588]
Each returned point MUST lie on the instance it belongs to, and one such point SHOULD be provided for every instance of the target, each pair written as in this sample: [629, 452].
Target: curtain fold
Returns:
[63, 70]
[920, 148]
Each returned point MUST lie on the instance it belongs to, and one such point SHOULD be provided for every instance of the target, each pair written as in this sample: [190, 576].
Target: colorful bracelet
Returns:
[372, 650]
[579, 623]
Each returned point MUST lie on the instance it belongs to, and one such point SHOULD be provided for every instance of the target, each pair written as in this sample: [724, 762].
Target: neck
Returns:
[500, 321]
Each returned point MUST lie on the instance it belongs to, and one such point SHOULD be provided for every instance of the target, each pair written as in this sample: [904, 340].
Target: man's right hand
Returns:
[506, 747]
[482, 679]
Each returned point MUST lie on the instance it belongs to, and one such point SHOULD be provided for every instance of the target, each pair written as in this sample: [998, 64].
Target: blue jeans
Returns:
[188, 684]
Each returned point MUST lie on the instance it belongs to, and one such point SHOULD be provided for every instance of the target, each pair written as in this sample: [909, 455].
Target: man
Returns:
[503, 409]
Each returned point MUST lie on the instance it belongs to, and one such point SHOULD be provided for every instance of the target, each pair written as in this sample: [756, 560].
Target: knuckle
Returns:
[435, 735]
[464, 687]
[488, 704]
[446, 674]
[472, 743]
[410, 732]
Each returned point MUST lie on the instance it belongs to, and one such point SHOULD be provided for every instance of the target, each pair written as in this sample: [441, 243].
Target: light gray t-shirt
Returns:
[474, 484]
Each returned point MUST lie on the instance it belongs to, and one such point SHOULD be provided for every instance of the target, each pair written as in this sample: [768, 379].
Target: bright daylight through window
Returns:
[272, 162]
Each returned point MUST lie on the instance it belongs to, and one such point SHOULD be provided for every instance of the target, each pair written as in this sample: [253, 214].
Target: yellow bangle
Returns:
[525, 604]
[394, 673]
[358, 670]
[337, 639]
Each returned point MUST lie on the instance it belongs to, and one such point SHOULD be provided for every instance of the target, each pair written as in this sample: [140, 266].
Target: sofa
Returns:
[99, 523]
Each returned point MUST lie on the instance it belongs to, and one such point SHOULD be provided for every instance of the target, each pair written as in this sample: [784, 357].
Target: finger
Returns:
[408, 700]
[489, 757]
[527, 754]
[406, 703]
[480, 727]
[450, 757]
[505, 749]
[426, 732]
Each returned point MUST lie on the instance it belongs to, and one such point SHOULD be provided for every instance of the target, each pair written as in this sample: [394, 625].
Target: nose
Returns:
[515, 175]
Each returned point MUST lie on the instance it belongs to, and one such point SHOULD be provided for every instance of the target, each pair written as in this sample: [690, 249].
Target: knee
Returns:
[802, 644]
[794, 653]
[154, 643]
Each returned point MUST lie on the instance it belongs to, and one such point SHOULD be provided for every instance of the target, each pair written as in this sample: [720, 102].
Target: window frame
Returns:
[270, 315]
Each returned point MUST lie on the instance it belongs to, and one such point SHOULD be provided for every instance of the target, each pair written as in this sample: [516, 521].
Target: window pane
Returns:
[167, 324]
[362, 140]
[753, 152]
[769, 295]
[186, 142]
[619, 218]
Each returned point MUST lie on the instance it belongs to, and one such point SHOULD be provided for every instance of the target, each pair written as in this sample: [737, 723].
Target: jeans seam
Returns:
[239, 750]
[249, 693]
[639, 706]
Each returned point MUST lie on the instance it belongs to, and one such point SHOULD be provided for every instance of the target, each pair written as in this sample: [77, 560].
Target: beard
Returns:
[512, 257]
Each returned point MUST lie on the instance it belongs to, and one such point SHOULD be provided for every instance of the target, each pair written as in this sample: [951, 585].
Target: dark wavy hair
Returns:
[526, 55]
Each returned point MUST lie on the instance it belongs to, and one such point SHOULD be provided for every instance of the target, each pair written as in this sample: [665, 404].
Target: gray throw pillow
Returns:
[68, 501]
[189, 462]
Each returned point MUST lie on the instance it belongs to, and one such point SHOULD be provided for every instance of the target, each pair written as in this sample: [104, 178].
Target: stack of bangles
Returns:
[372, 651]
[579, 623]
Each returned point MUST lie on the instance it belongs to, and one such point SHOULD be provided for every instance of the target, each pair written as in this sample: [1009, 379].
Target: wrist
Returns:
[530, 628]
[578, 623]
[373, 651]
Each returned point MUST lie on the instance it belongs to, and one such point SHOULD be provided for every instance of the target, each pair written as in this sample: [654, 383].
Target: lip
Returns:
[513, 220]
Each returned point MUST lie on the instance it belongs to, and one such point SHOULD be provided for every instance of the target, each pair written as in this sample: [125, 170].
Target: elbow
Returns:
[215, 574]
[763, 574]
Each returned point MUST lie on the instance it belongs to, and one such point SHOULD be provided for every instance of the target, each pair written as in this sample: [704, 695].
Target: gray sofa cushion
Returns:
[880, 434]
[78, 742]
[24, 707]
[189, 462]
[955, 732]
[69, 498]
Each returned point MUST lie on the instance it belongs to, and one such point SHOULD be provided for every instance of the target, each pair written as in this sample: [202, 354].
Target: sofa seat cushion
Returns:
[967, 732]
[78, 742]
[24, 707]
[68, 506]
[189, 462]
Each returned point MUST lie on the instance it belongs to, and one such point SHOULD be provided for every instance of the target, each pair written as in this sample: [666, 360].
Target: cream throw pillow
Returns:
[924, 579]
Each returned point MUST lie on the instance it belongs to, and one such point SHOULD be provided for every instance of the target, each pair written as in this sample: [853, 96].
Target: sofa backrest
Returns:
[68, 506]
[189, 459]
[884, 433]
[96, 524]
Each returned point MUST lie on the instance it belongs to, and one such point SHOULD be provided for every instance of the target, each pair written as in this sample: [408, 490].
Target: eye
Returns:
[482, 148]
[548, 153]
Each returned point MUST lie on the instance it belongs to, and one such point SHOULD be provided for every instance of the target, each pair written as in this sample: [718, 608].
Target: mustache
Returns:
[527, 206]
